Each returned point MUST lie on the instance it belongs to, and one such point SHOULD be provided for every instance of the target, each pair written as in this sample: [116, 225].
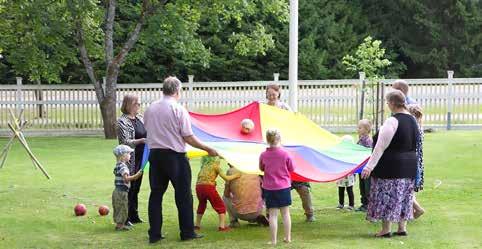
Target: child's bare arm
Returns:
[128, 178]
[227, 177]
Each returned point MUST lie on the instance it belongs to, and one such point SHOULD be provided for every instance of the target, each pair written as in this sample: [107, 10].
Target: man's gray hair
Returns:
[171, 86]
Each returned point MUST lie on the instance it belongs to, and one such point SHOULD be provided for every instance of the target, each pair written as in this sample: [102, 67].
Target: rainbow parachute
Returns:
[318, 155]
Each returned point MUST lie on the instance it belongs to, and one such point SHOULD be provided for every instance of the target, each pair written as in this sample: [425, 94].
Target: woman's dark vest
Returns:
[399, 159]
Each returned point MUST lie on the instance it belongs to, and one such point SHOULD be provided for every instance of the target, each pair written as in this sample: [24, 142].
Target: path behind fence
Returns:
[454, 103]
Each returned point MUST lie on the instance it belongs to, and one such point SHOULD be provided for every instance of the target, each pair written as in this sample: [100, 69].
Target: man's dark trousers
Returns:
[167, 165]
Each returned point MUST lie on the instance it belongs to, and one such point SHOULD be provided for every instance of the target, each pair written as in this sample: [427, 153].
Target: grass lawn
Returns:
[36, 213]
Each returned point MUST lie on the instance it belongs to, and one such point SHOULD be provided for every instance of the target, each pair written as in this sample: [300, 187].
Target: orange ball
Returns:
[103, 210]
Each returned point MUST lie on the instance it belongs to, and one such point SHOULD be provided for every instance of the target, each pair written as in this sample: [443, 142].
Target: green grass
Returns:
[36, 213]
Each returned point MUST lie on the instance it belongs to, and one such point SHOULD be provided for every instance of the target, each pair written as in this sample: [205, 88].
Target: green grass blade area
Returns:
[38, 213]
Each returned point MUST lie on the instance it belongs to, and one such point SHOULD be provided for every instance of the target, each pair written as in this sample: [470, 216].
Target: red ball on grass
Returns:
[80, 210]
[103, 210]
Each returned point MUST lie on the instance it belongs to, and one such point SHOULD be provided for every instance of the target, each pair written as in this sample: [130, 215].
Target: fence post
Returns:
[362, 93]
[191, 91]
[450, 99]
[19, 97]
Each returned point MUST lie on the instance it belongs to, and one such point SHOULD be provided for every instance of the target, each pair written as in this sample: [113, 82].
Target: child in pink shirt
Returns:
[277, 167]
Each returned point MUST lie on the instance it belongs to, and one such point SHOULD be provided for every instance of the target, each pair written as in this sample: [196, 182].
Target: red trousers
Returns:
[207, 193]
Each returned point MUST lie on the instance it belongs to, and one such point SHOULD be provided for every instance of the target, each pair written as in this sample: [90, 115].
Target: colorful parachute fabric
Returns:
[318, 155]
[145, 158]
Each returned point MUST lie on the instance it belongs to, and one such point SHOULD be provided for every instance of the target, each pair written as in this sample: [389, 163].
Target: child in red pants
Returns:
[206, 190]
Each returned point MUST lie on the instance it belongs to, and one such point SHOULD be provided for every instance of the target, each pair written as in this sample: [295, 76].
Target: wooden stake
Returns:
[16, 127]
[7, 147]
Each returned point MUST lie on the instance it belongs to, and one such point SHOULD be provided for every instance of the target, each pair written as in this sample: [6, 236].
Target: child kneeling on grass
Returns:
[277, 166]
[122, 184]
[206, 190]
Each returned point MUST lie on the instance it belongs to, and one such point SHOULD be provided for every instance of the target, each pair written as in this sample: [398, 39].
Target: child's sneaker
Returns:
[350, 208]
[339, 206]
[223, 229]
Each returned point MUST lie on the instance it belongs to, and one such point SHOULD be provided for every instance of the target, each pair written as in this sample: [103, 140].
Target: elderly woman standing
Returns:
[393, 166]
[131, 132]
[273, 95]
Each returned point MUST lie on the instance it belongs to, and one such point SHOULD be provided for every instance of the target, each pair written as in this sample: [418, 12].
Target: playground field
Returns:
[38, 213]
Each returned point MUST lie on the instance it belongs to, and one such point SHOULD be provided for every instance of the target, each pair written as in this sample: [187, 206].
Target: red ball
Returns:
[80, 210]
[103, 210]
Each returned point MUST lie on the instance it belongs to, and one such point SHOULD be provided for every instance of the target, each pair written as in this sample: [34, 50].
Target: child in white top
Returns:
[346, 183]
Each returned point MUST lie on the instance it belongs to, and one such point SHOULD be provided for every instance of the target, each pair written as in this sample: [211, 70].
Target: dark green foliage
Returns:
[432, 36]
[243, 40]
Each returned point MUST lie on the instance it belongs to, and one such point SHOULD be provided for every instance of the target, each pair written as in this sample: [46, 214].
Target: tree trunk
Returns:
[108, 111]
[106, 95]
[377, 105]
[108, 106]
[362, 99]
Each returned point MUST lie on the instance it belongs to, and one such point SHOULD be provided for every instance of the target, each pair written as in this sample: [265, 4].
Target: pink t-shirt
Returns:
[167, 122]
[277, 166]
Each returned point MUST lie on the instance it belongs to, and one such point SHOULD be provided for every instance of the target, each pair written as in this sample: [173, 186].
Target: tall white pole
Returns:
[293, 58]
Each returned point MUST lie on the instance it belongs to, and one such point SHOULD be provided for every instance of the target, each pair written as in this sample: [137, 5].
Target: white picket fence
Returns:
[454, 103]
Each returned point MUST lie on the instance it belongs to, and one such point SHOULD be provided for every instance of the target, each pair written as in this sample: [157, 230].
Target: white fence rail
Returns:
[333, 104]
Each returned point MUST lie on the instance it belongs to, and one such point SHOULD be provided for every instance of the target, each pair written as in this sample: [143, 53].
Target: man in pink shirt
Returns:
[168, 128]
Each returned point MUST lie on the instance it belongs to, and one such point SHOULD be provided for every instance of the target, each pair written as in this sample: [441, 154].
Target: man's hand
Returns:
[194, 142]
[211, 151]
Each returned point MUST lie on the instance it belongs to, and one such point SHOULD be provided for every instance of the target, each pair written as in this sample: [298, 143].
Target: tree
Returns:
[370, 59]
[34, 35]
[41, 38]
[33, 38]
[85, 17]
[221, 46]
[176, 24]
[430, 37]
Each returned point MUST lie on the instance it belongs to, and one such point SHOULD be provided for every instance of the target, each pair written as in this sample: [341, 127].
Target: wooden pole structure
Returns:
[16, 126]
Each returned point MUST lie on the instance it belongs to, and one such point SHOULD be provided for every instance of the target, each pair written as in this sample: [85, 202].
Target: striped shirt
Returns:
[119, 171]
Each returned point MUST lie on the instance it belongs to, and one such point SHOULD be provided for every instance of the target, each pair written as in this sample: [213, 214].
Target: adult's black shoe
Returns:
[195, 236]
[152, 240]
[136, 220]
